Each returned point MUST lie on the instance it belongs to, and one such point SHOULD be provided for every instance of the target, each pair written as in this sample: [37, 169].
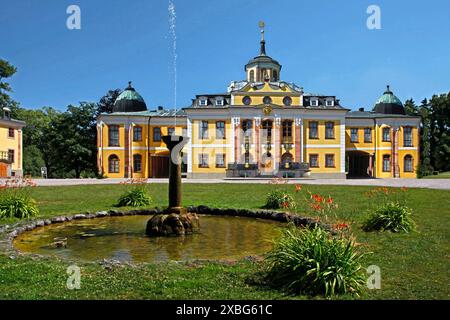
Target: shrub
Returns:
[392, 216]
[135, 197]
[17, 204]
[277, 199]
[312, 261]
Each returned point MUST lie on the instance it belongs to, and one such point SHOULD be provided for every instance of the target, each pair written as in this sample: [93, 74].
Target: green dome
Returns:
[389, 97]
[129, 101]
[388, 103]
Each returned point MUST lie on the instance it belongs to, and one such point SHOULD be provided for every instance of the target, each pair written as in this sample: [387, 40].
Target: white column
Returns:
[342, 149]
[189, 145]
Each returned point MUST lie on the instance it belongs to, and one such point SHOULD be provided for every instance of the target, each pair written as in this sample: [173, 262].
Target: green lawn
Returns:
[442, 175]
[412, 265]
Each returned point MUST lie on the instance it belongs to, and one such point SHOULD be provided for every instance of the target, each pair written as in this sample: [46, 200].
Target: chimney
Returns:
[361, 109]
[160, 108]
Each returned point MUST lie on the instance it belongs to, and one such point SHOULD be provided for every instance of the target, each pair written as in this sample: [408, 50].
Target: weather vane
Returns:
[261, 26]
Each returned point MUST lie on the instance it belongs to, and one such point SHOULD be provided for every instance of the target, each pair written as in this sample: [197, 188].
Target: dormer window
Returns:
[219, 102]
[329, 102]
[6, 113]
[203, 102]
[314, 102]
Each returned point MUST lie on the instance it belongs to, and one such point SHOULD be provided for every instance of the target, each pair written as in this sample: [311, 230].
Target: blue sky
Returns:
[323, 45]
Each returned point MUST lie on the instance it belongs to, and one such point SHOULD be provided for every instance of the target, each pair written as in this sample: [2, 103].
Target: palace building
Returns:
[11, 146]
[260, 127]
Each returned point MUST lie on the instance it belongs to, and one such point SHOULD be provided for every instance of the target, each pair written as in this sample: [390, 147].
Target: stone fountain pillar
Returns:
[175, 220]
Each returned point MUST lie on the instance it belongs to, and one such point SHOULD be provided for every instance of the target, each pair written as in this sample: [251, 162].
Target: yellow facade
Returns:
[271, 128]
[11, 147]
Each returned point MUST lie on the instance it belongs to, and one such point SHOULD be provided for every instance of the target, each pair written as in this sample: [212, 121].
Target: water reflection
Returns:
[123, 238]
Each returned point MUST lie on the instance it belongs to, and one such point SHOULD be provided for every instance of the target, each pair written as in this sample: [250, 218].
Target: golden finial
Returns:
[261, 26]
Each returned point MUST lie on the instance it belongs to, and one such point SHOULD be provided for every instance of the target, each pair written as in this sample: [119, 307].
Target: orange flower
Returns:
[330, 200]
[298, 187]
[285, 204]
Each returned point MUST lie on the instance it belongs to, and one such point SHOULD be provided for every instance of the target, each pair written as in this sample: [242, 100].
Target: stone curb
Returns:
[9, 233]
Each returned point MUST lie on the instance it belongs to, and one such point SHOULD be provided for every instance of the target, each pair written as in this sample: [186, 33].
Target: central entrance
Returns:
[360, 164]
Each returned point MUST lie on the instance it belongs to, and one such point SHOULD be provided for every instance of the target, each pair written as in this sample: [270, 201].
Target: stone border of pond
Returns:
[9, 232]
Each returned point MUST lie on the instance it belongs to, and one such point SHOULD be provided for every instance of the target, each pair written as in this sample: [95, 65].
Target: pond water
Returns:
[123, 239]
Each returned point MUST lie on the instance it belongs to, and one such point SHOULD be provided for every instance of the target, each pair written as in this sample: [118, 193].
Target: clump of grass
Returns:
[277, 199]
[135, 197]
[392, 216]
[311, 261]
[17, 204]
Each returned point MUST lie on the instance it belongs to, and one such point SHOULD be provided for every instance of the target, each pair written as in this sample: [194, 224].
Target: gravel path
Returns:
[409, 183]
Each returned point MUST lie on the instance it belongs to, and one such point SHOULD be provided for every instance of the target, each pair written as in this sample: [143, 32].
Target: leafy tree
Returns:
[106, 103]
[7, 70]
[434, 133]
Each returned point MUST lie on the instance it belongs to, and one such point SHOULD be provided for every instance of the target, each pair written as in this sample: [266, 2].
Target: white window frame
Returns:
[329, 102]
[314, 102]
[203, 102]
[220, 102]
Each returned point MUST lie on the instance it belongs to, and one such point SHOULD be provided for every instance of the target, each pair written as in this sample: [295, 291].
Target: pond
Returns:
[123, 239]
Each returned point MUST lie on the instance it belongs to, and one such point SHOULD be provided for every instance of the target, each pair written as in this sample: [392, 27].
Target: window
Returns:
[203, 134]
[267, 100]
[314, 160]
[220, 130]
[137, 163]
[267, 128]
[113, 135]
[329, 130]
[246, 100]
[203, 160]
[329, 160]
[287, 130]
[156, 134]
[170, 131]
[313, 130]
[11, 156]
[367, 135]
[203, 102]
[11, 132]
[247, 127]
[407, 137]
[386, 134]
[329, 102]
[137, 134]
[274, 75]
[113, 164]
[314, 102]
[287, 101]
[219, 102]
[220, 160]
[354, 135]
[386, 163]
[252, 76]
[408, 163]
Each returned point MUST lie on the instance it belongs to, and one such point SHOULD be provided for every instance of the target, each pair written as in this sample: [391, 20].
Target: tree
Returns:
[434, 133]
[106, 103]
[7, 70]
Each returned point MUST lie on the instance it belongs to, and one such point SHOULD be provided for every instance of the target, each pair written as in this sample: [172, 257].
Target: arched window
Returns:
[286, 158]
[251, 77]
[408, 163]
[113, 164]
[247, 127]
[274, 75]
[137, 163]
